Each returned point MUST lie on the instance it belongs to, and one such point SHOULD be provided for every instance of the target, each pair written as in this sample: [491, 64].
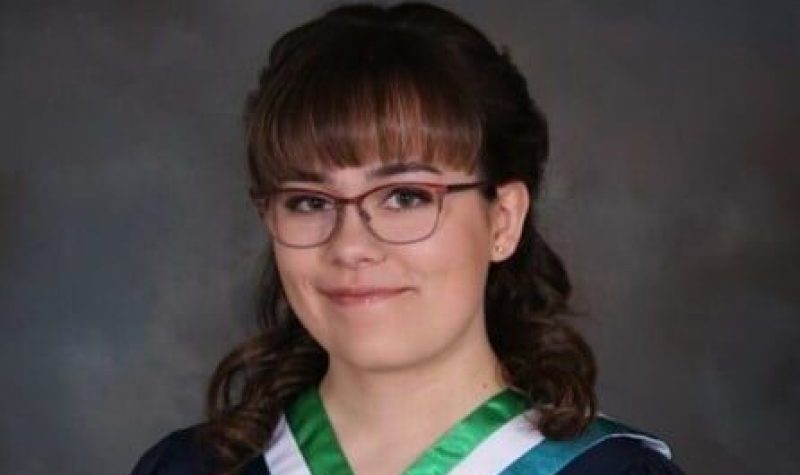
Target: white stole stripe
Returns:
[283, 457]
[503, 447]
[649, 441]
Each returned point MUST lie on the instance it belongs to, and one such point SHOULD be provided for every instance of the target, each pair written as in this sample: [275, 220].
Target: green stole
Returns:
[314, 438]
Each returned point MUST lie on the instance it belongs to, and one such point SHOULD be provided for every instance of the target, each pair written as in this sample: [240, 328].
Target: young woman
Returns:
[411, 309]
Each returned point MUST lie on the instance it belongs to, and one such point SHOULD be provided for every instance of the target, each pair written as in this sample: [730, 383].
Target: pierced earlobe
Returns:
[511, 206]
[498, 249]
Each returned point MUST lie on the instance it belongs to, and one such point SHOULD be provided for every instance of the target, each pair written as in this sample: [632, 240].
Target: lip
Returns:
[355, 296]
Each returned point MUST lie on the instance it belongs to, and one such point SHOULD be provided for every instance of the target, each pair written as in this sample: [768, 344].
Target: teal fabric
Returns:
[550, 456]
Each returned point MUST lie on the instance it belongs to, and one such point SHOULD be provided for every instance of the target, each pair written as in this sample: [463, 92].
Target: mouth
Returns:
[359, 296]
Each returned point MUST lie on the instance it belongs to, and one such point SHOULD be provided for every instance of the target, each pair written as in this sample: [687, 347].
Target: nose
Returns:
[353, 244]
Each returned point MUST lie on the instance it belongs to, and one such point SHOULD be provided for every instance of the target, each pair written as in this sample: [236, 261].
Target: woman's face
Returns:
[374, 305]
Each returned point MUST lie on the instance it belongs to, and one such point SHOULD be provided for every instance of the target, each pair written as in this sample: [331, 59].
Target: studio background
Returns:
[129, 252]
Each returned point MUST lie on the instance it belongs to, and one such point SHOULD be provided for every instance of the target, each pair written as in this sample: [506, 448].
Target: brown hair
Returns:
[369, 83]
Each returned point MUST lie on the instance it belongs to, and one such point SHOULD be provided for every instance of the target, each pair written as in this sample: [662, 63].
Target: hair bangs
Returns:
[366, 98]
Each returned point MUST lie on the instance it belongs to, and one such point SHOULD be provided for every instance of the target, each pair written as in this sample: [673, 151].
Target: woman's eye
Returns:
[307, 204]
[407, 197]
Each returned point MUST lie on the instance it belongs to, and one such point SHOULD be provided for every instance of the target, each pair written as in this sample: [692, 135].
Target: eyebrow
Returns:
[383, 171]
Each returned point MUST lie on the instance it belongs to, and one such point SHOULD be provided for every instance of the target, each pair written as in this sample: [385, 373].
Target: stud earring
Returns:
[498, 248]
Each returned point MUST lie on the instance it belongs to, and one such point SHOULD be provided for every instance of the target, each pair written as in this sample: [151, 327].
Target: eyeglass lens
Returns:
[398, 213]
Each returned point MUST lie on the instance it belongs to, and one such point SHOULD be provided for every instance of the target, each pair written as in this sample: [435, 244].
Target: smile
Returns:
[350, 297]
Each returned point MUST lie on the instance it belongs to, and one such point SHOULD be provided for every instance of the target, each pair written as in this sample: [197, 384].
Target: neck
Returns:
[442, 391]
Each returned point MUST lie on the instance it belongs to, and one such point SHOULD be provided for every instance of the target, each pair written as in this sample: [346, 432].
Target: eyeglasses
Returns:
[396, 213]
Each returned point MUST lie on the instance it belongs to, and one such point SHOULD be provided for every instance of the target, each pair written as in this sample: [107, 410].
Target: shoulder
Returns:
[180, 453]
[605, 447]
[621, 456]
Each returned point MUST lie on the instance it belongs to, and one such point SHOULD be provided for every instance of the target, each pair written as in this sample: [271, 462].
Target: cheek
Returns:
[454, 261]
[295, 270]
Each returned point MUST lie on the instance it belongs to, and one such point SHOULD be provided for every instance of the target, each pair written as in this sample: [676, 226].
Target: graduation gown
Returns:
[495, 439]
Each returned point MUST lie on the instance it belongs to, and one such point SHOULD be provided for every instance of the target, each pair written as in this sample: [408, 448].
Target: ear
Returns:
[260, 204]
[507, 215]
[262, 217]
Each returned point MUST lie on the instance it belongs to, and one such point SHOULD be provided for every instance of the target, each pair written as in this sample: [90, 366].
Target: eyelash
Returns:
[296, 204]
[421, 195]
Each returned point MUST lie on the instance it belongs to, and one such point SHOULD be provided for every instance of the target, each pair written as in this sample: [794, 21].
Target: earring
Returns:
[498, 248]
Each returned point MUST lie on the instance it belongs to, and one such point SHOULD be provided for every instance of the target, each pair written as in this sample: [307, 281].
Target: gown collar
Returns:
[316, 439]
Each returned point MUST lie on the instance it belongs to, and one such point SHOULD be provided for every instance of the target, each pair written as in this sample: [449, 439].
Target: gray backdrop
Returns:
[129, 252]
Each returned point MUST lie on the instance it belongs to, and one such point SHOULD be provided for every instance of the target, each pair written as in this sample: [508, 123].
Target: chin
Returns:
[382, 356]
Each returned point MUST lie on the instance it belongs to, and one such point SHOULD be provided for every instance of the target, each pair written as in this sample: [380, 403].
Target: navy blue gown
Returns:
[182, 453]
